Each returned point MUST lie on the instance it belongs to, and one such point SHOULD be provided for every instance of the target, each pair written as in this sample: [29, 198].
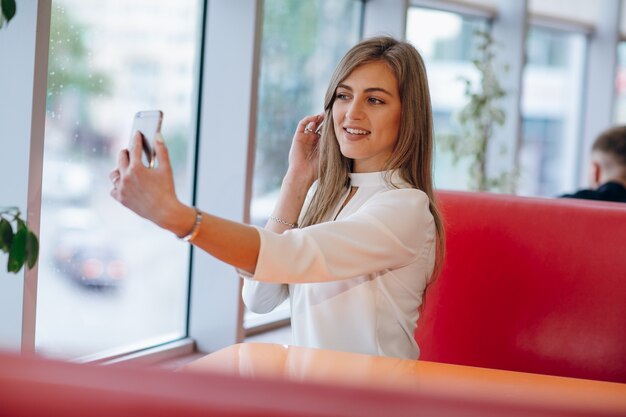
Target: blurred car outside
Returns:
[81, 252]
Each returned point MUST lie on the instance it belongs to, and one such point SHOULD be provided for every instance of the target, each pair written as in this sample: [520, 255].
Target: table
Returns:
[298, 364]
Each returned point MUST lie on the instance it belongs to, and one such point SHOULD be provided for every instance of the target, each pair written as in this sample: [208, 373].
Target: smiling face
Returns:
[366, 114]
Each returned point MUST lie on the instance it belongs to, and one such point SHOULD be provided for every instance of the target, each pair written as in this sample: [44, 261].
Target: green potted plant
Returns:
[7, 11]
[16, 239]
[477, 120]
[20, 243]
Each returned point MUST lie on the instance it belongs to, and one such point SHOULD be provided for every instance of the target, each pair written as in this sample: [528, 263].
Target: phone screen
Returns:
[148, 123]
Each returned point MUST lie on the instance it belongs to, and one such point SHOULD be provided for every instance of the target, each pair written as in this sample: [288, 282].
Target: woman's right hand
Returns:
[303, 155]
[150, 192]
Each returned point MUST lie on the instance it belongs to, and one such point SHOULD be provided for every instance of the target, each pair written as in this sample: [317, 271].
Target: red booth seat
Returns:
[529, 284]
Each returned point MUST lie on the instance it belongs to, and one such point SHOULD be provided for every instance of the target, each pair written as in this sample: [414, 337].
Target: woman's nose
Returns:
[355, 111]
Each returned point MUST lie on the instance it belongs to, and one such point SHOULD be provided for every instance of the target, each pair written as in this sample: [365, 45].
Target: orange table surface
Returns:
[298, 364]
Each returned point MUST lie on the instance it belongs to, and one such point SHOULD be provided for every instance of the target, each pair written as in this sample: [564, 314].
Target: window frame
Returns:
[24, 43]
[462, 9]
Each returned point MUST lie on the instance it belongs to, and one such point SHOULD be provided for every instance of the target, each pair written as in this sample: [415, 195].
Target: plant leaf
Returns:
[32, 249]
[6, 235]
[8, 9]
[17, 254]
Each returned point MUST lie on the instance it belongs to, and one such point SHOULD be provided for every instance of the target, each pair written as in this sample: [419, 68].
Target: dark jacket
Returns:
[610, 191]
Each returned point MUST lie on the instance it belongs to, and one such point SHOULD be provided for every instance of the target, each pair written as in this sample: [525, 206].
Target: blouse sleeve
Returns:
[389, 231]
[263, 297]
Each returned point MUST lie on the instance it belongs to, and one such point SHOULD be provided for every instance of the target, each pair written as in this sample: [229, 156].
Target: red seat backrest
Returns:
[530, 284]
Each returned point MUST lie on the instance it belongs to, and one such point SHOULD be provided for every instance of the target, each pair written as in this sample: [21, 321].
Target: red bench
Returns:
[530, 284]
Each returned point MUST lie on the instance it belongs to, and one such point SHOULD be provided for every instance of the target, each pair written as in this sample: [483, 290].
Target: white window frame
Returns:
[23, 79]
[224, 172]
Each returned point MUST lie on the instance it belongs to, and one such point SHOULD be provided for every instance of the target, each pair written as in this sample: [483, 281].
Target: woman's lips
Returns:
[355, 133]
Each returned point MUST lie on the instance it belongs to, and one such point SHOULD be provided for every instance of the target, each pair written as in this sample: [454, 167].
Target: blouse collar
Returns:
[376, 179]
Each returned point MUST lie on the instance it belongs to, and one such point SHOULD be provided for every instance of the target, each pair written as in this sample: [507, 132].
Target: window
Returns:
[302, 42]
[446, 42]
[108, 280]
[619, 116]
[551, 103]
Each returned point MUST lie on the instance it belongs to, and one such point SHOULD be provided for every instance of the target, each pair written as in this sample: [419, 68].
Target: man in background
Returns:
[608, 168]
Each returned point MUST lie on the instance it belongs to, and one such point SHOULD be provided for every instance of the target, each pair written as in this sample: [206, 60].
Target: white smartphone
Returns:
[148, 123]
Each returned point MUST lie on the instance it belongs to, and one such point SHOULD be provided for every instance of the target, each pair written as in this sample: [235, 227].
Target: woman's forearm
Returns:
[235, 243]
[291, 198]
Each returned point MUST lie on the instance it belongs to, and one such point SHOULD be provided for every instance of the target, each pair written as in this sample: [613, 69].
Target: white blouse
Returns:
[356, 282]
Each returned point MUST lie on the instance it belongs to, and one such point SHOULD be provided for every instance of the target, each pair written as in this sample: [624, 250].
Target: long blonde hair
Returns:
[413, 152]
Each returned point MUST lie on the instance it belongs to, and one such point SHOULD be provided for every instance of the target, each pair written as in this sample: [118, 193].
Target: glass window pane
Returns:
[302, 43]
[447, 44]
[619, 116]
[110, 281]
[551, 102]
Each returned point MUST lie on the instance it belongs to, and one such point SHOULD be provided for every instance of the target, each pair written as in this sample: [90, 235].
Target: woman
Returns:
[356, 256]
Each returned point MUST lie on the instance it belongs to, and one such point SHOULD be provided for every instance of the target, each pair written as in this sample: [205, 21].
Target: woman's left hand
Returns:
[149, 192]
[303, 155]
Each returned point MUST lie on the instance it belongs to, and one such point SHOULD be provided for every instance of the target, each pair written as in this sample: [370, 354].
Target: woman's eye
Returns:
[374, 100]
[341, 96]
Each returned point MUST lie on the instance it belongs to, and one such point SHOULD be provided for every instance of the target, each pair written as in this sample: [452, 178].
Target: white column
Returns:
[385, 17]
[600, 81]
[509, 31]
[225, 160]
[23, 79]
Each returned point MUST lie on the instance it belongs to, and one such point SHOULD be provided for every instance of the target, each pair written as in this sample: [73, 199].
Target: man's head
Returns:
[608, 157]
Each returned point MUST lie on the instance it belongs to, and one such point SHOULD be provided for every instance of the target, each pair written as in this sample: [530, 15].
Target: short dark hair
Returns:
[613, 142]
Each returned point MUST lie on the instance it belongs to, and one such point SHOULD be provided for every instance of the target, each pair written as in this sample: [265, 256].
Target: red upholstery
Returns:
[529, 284]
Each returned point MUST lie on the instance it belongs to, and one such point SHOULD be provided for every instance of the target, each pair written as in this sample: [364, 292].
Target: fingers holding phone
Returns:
[148, 124]
[139, 182]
